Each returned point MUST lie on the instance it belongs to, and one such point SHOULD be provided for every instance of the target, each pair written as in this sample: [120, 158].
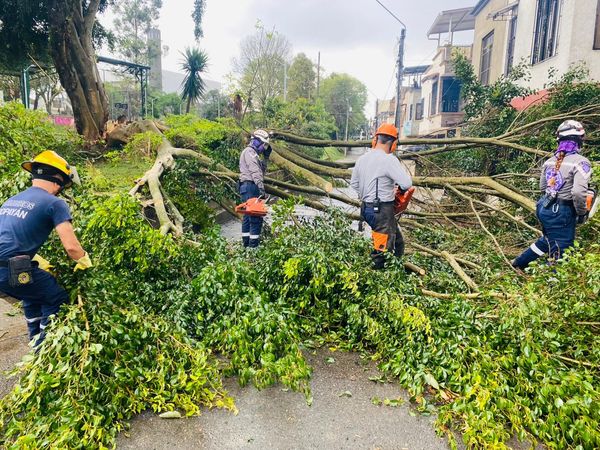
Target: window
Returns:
[597, 34]
[434, 98]
[510, 46]
[451, 95]
[410, 112]
[419, 110]
[487, 45]
[546, 30]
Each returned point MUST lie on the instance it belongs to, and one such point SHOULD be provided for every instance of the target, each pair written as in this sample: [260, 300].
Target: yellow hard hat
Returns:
[53, 159]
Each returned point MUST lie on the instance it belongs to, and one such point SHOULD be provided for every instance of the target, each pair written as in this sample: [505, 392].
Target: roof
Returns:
[479, 6]
[415, 70]
[495, 15]
[508, 11]
[118, 62]
[452, 21]
[522, 103]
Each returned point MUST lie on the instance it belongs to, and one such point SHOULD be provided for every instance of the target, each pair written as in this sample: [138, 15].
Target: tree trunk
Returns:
[189, 104]
[70, 30]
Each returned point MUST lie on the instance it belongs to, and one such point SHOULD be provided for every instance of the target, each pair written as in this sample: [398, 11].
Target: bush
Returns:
[24, 134]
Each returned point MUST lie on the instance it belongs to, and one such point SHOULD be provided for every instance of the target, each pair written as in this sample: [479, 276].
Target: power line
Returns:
[391, 13]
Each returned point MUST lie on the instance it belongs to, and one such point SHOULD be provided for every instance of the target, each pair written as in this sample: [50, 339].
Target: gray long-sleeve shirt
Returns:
[252, 168]
[378, 165]
[576, 172]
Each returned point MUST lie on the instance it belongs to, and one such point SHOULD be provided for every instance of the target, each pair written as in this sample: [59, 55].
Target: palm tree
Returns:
[194, 63]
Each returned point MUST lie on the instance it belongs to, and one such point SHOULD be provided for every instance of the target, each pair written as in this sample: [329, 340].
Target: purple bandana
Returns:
[567, 147]
[554, 179]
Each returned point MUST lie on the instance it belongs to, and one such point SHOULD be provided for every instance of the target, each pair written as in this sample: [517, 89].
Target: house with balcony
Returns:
[441, 105]
[439, 110]
[549, 35]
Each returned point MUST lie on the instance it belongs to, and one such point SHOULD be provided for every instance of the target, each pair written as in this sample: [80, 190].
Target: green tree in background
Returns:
[162, 104]
[216, 105]
[345, 97]
[194, 64]
[133, 20]
[301, 78]
[197, 15]
[261, 65]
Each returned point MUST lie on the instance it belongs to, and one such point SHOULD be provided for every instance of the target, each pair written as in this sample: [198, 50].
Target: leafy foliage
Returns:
[260, 65]
[24, 134]
[194, 64]
[222, 141]
[301, 116]
[106, 358]
[301, 78]
[339, 93]
[133, 20]
[521, 360]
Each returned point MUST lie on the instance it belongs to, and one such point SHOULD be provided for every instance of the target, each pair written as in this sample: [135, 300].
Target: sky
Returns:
[357, 37]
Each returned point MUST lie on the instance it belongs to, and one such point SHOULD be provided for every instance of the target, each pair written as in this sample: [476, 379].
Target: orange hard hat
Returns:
[388, 129]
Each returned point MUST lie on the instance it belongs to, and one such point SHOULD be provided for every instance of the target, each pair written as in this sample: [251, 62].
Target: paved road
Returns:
[277, 419]
[13, 342]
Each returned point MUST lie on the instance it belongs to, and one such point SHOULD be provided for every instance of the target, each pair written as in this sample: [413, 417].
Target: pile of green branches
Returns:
[520, 358]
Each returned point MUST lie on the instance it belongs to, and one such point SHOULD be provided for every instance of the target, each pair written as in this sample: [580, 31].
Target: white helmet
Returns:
[570, 128]
[261, 135]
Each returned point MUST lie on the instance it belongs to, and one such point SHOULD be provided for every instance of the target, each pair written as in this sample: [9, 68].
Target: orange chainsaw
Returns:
[402, 200]
[256, 207]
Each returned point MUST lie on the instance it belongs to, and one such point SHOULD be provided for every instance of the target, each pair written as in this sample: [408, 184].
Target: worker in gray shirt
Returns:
[252, 184]
[566, 199]
[375, 177]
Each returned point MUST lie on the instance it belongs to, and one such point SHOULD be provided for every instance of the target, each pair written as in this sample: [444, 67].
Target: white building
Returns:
[549, 35]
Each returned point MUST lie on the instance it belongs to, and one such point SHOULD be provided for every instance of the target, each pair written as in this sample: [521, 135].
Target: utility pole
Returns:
[398, 116]
[285, 81]
[347, 119]
[400, 64]
[318, 73]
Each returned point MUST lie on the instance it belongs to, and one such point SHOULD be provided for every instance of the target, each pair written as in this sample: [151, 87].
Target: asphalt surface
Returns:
[13, 342]
[342, 416]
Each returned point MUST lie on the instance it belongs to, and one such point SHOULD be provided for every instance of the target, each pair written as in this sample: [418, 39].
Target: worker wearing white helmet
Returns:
[252, 184]
[566, 199]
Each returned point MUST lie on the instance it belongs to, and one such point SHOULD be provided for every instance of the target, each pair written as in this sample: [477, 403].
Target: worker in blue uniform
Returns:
[565, 184]
[26, 221]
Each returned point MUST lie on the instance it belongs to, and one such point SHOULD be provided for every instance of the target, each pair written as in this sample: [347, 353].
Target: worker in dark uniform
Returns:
[376, 177]
[26, 221]
[252, 183]
[565, 185]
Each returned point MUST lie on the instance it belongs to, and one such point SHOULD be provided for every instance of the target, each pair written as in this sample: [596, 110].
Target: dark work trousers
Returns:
[558, 225]
[384, 222]
[251, 226]
[41, 299]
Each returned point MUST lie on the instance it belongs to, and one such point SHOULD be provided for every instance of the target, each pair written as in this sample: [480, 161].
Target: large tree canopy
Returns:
[301, 78]
[344, 94]
[261, 65]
